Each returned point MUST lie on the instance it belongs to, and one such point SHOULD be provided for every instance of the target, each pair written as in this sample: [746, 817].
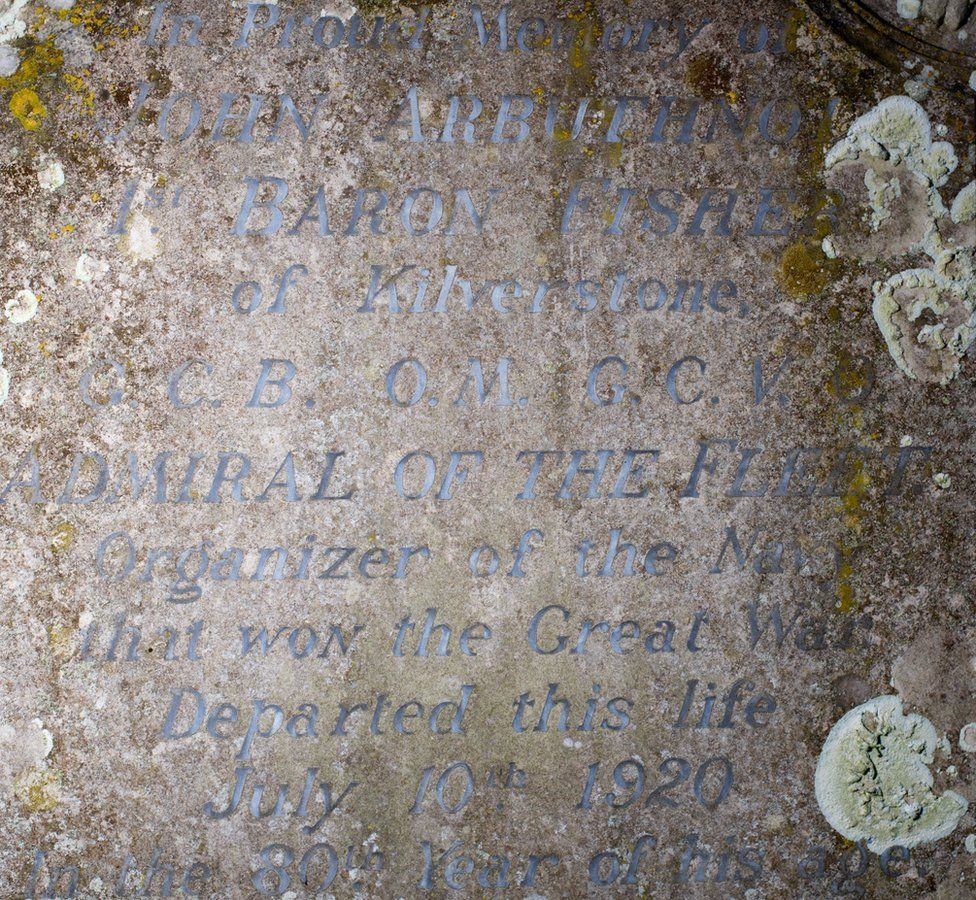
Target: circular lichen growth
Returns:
[27, 109]
[873, 781]
[927, 320]
[22, 307]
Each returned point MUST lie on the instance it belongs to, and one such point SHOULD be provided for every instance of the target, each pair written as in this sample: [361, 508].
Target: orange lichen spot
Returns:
[28, 109]
[41, 61]
[80, 87]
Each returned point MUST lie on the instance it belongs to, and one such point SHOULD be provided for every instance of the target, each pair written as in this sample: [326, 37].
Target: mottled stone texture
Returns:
[295, 299]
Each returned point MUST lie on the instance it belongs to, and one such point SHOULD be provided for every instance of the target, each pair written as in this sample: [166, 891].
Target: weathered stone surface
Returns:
[539, 436]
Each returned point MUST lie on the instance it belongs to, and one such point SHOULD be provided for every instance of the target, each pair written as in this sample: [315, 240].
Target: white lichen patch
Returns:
[897, 129]
[927, 321]
[919, 88]
[882, 192]
[967, 738]
[963, 208]
[51, 175]
[873, 782]
[22, 307]
[909, 9]
[76, 47]
[88, 268]
[942, 480]
[12, 26]
[894, 218]
[9, 60]
[140, 241]
[24, 748]
[926, 315]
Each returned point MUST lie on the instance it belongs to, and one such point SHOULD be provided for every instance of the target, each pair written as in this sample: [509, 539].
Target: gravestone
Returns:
[481, 449]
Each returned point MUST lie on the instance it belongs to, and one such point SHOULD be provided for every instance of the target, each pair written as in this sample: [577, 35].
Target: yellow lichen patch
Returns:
[845, 592]
[613, 154]
[43, 61]
[804, 269]
[851, 378]
[61, 642]
[589, 31]
[86, 96]
[37, 790]
[40, 59]
[852, 507]
[27, 109]
[64, 537]
[796, 19]
[96, 19]
[852, 499]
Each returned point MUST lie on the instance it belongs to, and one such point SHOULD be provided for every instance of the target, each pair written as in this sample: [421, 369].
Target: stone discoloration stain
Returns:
[155, 301]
